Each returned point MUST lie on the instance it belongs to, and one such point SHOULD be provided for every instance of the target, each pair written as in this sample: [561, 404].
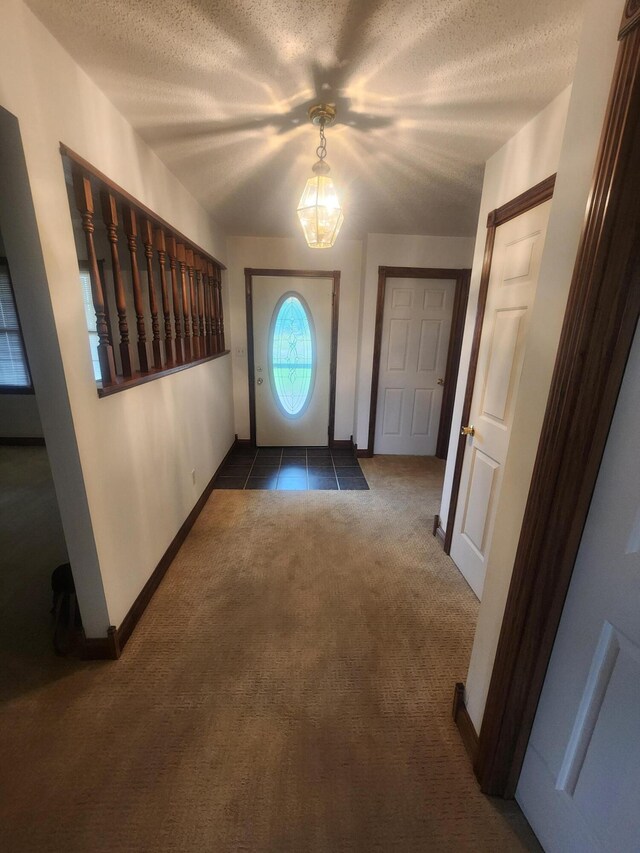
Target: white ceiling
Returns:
[425, 92]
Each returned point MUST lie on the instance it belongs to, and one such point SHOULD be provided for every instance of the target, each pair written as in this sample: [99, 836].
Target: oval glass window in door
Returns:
[292, 355]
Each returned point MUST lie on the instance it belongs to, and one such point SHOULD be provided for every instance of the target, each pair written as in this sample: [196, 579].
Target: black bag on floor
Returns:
[67, 625]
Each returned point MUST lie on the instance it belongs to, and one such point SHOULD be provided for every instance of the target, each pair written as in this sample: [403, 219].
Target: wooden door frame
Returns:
[462, 278]
[598, 331]
[249, 274]
[526, 201]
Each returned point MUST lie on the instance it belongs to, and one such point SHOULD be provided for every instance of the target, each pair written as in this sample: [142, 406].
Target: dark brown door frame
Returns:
[599, 327]
[461, 278]
[521, 204]
[249, 274]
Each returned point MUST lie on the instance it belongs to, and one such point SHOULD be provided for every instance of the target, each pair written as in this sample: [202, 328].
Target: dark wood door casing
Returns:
[526, 201]
[249, 274]
[462, 278]
[600, 323]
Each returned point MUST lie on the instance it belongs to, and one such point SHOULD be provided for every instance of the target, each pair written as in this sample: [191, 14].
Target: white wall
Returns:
[526, 159]
[395, 250]
[587, 106]
[137, 448]
[293, 253]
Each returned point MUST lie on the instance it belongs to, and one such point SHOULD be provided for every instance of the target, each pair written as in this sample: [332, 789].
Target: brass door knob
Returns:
[468, 430]
[440, 381]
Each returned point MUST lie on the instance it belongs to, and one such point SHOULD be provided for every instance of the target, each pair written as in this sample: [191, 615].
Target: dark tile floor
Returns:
[291, 469]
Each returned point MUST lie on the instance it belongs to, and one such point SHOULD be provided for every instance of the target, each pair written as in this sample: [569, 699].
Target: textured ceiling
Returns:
[425, 92]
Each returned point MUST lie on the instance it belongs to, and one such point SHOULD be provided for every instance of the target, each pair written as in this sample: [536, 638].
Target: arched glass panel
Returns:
[292, 355]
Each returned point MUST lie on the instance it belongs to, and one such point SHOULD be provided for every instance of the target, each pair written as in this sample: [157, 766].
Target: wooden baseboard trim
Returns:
[243, 442]
[463, 721]
[111, 646]
[438, 532]
[22, 441]
[364, 454]
[342, 444]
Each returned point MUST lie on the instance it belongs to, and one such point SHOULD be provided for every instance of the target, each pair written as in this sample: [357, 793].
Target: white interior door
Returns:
[580, 782]
[292, 358]
[511, 292]
[416, 327]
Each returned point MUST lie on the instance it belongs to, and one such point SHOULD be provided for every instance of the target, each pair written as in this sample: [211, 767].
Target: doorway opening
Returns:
[292, 343]
[32, 540]
[416, 356]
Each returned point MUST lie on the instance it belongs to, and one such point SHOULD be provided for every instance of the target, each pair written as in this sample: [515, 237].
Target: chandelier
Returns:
[319, 210]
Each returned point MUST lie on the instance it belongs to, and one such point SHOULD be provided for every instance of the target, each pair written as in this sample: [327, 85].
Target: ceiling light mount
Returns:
[322, 114]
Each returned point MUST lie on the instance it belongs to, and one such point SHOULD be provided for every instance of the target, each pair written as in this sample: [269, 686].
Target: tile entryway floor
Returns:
[291, 469]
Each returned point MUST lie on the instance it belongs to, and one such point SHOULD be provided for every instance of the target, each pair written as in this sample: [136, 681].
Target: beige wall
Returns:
[392, 250]
[591, 84]
[358, 262]
[526, 159]
[122, 465]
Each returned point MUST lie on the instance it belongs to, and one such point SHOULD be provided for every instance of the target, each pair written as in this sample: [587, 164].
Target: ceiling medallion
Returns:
[319, 209]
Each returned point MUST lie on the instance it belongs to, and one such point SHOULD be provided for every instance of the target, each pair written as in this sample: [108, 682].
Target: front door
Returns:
[512, 287]
[416, 327]
[292, 358]
[580, 782]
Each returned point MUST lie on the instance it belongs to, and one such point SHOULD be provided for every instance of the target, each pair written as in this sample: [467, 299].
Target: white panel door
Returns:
[580, 782]
[415, 339]
[279, 375]
[512, 288]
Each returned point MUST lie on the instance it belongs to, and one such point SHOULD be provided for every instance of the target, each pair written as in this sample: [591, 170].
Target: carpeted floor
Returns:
[288, 689]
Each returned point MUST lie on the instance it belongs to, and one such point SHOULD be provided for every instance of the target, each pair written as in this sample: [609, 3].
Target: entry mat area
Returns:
[291, 469]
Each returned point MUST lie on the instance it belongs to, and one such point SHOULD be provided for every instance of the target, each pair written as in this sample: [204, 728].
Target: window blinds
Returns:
[13, 362]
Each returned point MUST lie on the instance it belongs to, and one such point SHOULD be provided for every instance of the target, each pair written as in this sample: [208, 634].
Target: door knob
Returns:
[260, 380]
[440, 381]
[468, 430]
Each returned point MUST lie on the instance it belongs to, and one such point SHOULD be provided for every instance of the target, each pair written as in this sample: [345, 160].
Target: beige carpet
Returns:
[288, 689]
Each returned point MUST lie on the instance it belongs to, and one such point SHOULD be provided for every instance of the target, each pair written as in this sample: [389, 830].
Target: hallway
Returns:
[288, 689]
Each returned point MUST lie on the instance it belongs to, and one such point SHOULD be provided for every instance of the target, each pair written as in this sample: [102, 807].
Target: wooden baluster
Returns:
[200, 294]
[110, 217]
[185, 301]
[147, 242]
[214, 305]
[193, 301]
[84, 203]
[166, 310]
[212, 312]
[172, 251]
[220, 310]
[207, 307]
[131, 230]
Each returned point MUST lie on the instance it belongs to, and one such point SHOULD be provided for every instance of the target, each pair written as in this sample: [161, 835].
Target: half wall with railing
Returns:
[153, 298]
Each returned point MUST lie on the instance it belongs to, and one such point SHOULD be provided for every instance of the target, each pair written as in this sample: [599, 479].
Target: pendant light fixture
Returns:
[319, 210]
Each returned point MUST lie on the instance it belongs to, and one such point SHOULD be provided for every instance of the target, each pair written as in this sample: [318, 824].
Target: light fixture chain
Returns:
[321, 150]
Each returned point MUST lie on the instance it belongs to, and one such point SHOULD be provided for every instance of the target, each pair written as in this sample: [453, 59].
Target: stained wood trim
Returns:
[526, 201]
[600, 322]
[453, 362]
[111, 646]
[343, 444]
[249, 274]
[630, 18]
[462, 278]
[463, 721]
[123, 383]
[125, 196]
[438, 532]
